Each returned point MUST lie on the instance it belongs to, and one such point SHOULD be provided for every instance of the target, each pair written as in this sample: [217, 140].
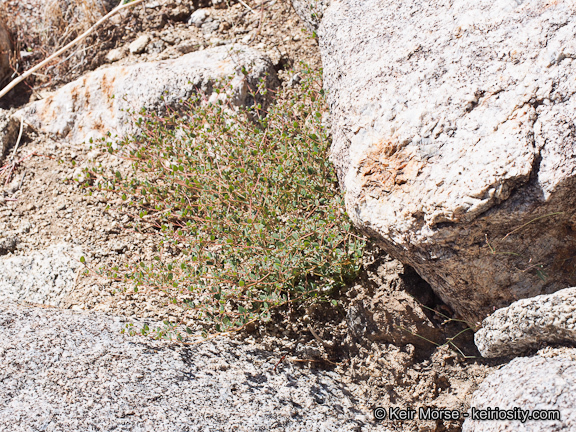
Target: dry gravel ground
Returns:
[41, 206]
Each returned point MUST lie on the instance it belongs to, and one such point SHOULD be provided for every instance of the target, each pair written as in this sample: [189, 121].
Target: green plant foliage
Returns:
[248, 197]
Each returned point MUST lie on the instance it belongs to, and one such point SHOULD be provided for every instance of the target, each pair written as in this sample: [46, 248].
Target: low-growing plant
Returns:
[247, 197]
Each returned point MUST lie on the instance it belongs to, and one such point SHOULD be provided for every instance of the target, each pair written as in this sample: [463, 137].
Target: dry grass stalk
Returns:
[64, 20]
[62, 50]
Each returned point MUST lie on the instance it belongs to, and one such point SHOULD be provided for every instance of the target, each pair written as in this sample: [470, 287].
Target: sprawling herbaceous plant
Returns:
[249, 200]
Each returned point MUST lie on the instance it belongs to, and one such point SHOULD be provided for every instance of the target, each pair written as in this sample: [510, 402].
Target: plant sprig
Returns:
[249, 199]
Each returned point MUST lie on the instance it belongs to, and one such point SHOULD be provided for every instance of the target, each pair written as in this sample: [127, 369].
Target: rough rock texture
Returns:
[529, 323]
[42, 277]
[310, 11]
[66, 371]
[530, 383]
[454, 139]
[6, 51]
[101, 101]
[9, 128]
[384, 307]
[394, 318]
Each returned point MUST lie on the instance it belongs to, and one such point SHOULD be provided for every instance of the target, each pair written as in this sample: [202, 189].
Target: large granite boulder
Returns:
[528, 324]
[104, 101]
[64, 371]
[455, 140]
[544, 386]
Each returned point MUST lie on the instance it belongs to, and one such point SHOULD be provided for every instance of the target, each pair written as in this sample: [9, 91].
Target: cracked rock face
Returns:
[529, 323]
[454, 140]
[102, 101]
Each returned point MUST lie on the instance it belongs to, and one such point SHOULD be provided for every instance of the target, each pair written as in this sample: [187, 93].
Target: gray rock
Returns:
[294, 80]
[454, 139]
[210, 27]
[531, 383]
[310, 11]
[156, 47]
[65, 371]
[115, 55]
[9, 128]
[198, 17]
[42, 277]
[529, 323]
[139, 45]
[102, 101]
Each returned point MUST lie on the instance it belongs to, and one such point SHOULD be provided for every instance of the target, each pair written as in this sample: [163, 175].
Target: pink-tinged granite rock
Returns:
[101, 102]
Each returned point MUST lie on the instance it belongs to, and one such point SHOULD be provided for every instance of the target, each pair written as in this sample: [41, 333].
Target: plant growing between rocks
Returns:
[249, 201]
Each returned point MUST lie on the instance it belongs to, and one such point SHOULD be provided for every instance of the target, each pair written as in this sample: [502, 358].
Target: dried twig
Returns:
[528, 223]
[18, 140]
[260, 20]
[9, 168]
[10, 171]
[14, 152]
[319, 339]
[247, 7]
[84, 35]
[22, 180]
[279, 361]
